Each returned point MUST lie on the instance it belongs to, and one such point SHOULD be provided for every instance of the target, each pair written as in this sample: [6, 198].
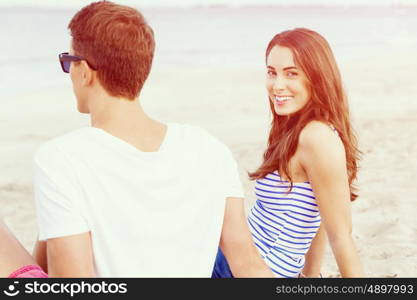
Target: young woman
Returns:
[304, 184]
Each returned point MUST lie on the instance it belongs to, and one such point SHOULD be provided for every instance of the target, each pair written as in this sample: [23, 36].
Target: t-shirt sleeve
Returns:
[57, 195]
[230, 178]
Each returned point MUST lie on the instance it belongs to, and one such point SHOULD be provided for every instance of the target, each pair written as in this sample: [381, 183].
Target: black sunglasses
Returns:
[65, 60]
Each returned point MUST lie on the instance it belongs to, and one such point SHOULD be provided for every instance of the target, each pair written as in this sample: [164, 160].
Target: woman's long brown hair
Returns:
[328, 103]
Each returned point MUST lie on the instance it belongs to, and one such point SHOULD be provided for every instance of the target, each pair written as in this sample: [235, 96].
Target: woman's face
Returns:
[286, 84]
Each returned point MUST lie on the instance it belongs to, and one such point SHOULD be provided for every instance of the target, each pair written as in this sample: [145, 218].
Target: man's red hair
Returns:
[118, 42]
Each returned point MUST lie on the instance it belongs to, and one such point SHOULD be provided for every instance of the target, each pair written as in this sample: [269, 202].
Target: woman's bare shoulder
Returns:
[319, 139]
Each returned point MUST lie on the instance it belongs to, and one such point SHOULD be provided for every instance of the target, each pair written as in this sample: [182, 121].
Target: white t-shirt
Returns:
[150, 214]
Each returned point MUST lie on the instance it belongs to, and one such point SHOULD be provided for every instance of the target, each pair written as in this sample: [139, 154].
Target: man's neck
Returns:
[111, 113]
[126, 120]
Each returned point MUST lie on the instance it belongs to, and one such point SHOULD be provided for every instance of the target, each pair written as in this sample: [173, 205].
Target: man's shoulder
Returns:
[59, 145]
[195, 136]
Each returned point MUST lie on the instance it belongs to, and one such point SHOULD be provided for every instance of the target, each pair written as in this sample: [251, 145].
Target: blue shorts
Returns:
[221, 267]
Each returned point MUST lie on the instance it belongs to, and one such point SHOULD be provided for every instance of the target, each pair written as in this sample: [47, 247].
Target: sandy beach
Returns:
[231, 103]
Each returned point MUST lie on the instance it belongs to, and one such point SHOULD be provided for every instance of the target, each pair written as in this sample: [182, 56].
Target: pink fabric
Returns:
[30, 271]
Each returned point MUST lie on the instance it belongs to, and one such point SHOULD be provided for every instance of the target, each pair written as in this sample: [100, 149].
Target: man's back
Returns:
[150, 214]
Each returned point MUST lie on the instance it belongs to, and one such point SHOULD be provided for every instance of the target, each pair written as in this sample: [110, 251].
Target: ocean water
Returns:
[190, 38]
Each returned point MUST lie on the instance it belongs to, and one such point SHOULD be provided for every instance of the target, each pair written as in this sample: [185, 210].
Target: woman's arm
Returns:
[12, 254]
[237, 244]
[314, 256]
[322, 155]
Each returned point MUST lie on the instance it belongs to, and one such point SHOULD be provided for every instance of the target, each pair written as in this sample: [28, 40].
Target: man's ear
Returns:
[87, 74]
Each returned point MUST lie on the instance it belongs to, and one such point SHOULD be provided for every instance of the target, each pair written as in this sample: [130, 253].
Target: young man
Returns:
[131, 196]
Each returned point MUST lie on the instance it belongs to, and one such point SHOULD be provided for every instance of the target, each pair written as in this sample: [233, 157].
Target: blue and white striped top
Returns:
[283, 224]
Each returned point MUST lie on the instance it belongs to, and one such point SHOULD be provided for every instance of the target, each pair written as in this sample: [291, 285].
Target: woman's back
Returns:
[283, 223]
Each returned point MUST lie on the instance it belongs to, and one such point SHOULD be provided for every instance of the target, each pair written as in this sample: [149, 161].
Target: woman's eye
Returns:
[292, 74]
[270, 73]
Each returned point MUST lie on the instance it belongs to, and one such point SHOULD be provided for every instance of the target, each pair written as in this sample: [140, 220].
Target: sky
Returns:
[78, 3]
